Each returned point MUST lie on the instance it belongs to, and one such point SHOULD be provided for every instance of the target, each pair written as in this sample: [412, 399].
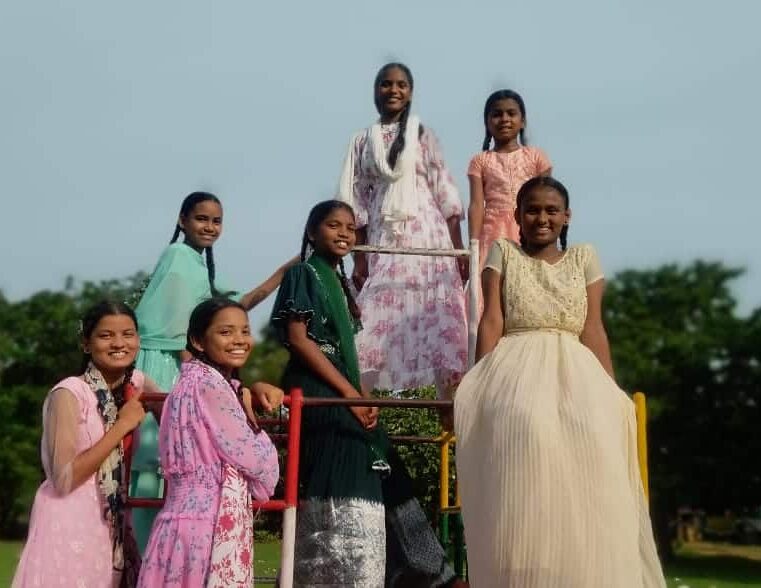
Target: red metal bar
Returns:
[296, 402]
[381, 402]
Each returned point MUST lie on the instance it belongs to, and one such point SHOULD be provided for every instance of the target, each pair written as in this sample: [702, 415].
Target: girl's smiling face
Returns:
[227, 341]
[113, 343]
[542, 216]
[203, 225]
[393, 92]
[336, 235]
[505, 121]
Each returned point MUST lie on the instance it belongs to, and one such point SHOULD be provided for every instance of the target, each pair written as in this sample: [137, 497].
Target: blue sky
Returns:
[112, 112]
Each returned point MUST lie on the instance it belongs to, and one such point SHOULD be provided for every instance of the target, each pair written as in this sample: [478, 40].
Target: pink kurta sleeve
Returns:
[542, 163]
[252, 454]
[61, 424]
[476, 166]
[440, 181]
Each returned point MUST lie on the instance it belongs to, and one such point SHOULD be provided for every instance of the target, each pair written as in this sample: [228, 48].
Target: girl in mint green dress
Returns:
[181, 280]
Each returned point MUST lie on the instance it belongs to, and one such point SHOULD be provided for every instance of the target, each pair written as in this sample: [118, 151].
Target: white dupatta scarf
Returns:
[400, 201]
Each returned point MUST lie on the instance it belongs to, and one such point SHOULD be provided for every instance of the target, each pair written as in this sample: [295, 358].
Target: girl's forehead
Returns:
[544, 195]
[207, 207]
[115, 322]
[340, 214]
[505, 104]
[394, 74]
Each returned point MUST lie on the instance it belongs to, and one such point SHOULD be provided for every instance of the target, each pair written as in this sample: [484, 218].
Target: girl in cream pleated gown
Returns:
[547, 456]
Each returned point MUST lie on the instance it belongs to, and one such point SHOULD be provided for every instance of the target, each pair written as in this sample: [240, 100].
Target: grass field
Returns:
[699, 565]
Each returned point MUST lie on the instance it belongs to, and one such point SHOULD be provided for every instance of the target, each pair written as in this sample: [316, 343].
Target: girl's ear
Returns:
[567, 217]
[198, 345]
[181, 222]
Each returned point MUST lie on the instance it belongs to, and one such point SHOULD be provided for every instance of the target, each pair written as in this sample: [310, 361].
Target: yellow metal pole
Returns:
[444, 472]
[640, 404]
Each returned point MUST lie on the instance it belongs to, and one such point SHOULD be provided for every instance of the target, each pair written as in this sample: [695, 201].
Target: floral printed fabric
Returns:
[232, 551]
[204, 434]
[413, 307]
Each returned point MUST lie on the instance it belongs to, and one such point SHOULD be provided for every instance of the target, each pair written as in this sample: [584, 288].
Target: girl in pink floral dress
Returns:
[496, 174]
[413, 307]
[214, 459]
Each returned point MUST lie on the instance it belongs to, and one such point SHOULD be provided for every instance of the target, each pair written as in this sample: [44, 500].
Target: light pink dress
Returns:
[502, 175]
[69, 542]
[206, 445]
[413, 307]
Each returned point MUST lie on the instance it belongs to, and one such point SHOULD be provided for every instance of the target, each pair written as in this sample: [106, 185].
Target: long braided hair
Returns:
[547, 182]
[398, 145]
[90, 321]
[318, 214]
[190, 202]
[491, 101]
[200, 320]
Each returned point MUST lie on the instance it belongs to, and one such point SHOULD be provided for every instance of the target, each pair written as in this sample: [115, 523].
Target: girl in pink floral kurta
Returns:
[413, 307]
[497, 173]
[213, 461]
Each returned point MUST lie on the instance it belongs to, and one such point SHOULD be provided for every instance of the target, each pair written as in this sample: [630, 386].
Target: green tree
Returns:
[675, 335]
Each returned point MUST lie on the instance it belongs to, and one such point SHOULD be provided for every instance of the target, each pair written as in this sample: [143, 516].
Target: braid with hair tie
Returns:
[353, 308]
[177, 231]
[211, 270]
[399, 143]
[487, 141]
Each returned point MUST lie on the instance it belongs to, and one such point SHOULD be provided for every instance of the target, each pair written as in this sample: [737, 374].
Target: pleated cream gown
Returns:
[546, 444]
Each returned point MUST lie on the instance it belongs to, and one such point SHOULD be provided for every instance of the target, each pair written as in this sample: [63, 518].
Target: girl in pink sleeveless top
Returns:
[77, 530]
[496, 174]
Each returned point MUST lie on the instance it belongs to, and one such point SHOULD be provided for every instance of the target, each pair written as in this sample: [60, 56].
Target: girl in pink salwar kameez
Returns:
[213, 458]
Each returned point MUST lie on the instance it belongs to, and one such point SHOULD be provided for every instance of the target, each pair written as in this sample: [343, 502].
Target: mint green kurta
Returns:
[178, 284]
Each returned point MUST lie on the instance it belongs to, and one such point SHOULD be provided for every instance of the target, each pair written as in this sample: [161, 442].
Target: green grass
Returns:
[715, 565]
[266, 560]
[701, 565]
[9, 554]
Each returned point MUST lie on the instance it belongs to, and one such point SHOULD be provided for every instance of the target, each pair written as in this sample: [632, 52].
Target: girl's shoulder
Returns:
[538, 156]
[582, 253]
[74, 384]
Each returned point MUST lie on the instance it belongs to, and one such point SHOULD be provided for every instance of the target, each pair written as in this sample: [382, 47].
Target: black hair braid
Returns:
[398, 145]
[211, 270]
[304, 245]
[118, 392]
[353, 308]
[177, 231]
[564, 238]
[487, 141]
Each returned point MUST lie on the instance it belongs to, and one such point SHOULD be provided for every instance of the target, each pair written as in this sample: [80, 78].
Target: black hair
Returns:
[548, 182]
[200, 320]
[319, 213]
[190, 202]
[398, 145]
[90, 321]
[494, 98]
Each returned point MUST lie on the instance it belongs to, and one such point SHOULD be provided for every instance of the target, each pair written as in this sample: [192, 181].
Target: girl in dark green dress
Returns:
[360, 524]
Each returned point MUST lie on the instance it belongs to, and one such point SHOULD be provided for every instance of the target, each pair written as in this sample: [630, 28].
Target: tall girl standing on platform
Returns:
[180, 281]
[496, 174]
[413, 307]
[77, 531]
[359, 524]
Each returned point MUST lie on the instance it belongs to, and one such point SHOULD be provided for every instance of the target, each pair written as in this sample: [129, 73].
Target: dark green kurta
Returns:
[336, 455]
